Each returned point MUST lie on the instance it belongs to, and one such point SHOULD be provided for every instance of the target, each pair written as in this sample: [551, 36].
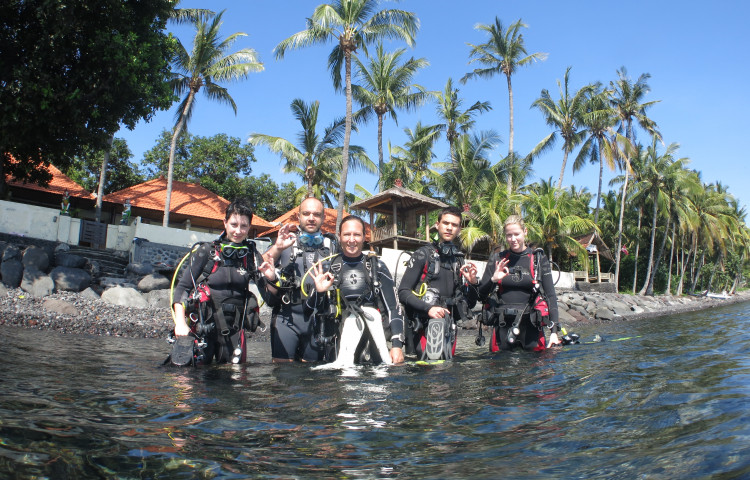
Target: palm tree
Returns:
[504, 53]
[385, 85]
[314, 157]
[412, 163]
[179, 16]
[456, 121]
[464, 180]
[564, 116]
[204, 67]
[626, 100]
[352, 24]
[602, 142]
[553, 220]
[513, 171]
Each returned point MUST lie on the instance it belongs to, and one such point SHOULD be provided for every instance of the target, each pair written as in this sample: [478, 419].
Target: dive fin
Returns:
[351, 333]
[182, 351]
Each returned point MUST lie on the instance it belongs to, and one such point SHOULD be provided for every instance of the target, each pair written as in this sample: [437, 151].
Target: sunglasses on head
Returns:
[231, 250]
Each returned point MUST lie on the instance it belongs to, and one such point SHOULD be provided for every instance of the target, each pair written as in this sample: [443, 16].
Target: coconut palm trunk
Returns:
[103, 178]
[347, 136]
[172, 149]
[619, 223]
[650, 264]
[637, 249]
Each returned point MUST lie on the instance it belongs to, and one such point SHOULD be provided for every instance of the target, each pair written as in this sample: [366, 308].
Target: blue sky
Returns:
[696, 53]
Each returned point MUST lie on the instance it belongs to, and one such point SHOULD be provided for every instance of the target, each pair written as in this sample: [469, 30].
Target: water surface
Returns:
[663, 398]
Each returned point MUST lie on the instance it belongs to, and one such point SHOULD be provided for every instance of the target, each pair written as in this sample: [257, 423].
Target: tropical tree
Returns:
[72, 72]
[456, 121]
[565, 117]
[504, 52]
[602, 143]
[85, 169]
[553, 221]
[385, 86]
[205, 67]
[661, 175]
[315, 158]
[464, 180]
[412, 163]
[627, 102]
[513, 171]
[353, 24]
[179, 16]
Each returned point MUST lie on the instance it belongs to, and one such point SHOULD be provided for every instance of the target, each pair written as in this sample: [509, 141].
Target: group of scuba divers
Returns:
[336, 305]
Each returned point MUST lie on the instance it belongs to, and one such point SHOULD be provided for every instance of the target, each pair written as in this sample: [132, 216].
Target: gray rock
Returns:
[158, 298]
[153, 281]
[90, 294]
[11, 252]
[604, 314]
[637, 309]
[140, 269]
[60, 306]
[35, 257]
[566, 318]
[11, 271]
[37, 283]
[69, 260]
[94, 268]
[61, 248]
[125, 296]
[70, 279]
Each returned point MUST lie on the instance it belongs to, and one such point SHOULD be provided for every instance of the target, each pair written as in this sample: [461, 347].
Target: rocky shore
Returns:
[80, 313]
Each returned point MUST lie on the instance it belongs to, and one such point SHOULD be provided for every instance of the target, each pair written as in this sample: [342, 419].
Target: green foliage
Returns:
[72, 71]
[218, 163]
[85, 169]
[269, 199]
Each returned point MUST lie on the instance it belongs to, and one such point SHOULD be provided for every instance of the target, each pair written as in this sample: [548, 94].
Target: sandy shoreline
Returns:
[74, 313]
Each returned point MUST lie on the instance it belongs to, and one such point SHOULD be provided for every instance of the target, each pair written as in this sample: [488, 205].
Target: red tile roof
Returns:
[329, 224]
[59, 183]
[188, 199]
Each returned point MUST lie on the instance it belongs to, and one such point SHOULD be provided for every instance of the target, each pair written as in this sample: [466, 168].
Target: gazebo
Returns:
[402, 206]
[595, 249]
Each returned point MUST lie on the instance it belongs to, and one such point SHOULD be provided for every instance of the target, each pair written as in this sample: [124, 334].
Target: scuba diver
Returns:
[359, 293]
[519, 293]
[294, 328]
[438, 289]
[214, 294]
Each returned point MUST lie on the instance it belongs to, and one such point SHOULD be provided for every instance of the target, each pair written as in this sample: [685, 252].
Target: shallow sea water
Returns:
[660, 398]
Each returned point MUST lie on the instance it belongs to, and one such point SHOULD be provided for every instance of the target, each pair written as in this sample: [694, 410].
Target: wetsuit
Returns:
[514, 293]
[355, 283]
[293, 325]
[228, 280]
[437, 266]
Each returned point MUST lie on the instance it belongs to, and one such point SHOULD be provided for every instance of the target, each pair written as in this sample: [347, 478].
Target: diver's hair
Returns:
[240, 206]
[451, 210]
[350, 218]
[514, 219]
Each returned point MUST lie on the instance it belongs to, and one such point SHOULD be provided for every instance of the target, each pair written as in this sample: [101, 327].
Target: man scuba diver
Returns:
[437, 289]
[358, 291]
[214, 293]
[294, 328]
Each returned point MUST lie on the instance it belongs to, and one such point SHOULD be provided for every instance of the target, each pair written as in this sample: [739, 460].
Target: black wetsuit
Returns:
[228, 280]
[446, 283]
[515, 292]
[355, 282]
[293, 326]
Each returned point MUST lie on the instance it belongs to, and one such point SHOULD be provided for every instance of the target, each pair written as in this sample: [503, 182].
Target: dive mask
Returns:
[449, 250]
[311, 239]
[229, 250]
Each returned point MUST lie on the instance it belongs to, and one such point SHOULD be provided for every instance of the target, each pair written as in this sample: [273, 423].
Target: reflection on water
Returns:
[669, 401]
